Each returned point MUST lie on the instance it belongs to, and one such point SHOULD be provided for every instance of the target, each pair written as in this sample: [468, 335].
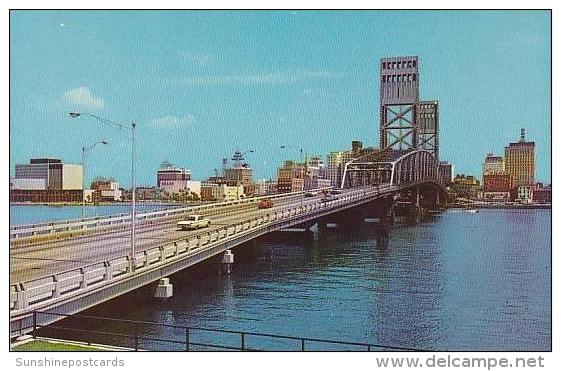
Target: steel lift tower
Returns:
[405, 122]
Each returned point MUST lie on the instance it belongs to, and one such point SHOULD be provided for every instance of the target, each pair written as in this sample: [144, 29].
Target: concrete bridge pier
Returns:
[322, 224]
[348, 219]
[432, 200]
[381, 209]
[164, 289]
[227, 262]
[382, 230]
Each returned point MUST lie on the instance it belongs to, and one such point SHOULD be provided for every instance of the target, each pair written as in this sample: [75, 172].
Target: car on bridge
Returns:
[194, 222]
[265, 204]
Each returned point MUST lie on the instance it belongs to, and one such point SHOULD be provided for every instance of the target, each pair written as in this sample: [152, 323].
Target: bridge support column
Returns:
[227, 261]
[164, 289]
[418, 207]
[322, 224]
[383, 231]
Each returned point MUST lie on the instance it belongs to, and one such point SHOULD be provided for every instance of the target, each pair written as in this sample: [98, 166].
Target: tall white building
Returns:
[335, 167]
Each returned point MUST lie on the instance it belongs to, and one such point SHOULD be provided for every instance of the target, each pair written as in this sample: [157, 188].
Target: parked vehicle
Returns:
[194, 222]
[265, 204]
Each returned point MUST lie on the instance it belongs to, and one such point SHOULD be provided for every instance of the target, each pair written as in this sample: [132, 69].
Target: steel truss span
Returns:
[392, 168]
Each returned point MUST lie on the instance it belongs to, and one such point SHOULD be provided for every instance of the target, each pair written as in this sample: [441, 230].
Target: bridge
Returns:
[69, 266]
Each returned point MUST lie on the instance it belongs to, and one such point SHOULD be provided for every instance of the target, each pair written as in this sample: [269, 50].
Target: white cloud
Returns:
[198, 59]
[82, 97]
[173, 122]
[273, 78]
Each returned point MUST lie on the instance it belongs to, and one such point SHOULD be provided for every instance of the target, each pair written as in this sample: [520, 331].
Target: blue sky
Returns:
[200, 84]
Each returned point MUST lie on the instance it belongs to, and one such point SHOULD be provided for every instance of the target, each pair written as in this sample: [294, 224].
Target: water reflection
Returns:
[454, 282]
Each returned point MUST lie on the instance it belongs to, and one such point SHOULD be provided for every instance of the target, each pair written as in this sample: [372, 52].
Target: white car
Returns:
[194, 222]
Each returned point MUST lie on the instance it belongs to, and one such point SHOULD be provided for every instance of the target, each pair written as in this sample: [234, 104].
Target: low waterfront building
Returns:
[181, 186]
[497, 182]
[495, 196]
[541, 194]
[221, 192]
[47, 180]
[266, 187]
[145, 193]
[466, 186]
[105, 189]
[524, 193]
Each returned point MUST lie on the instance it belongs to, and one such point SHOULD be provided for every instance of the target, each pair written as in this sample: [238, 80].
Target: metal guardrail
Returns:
[26, 296]
[187, 338]
[20, 231]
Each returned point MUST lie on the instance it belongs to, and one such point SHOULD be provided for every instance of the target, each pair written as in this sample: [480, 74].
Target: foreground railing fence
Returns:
[152, 336]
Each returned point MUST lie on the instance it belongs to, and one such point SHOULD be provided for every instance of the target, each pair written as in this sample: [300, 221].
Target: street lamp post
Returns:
[132, 128]
[84, 153]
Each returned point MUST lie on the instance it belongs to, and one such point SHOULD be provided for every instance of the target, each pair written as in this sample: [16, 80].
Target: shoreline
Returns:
[77, 204]
[502, 206]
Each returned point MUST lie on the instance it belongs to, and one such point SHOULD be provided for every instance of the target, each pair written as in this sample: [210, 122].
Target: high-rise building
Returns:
[520, 161]
[446, 171]
[493, 165]
[335, 167]
[239, 174]
[356, 146]
[287, 174]
[167, 174]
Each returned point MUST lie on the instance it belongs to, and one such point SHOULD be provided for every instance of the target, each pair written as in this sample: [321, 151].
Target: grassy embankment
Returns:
[46, 346]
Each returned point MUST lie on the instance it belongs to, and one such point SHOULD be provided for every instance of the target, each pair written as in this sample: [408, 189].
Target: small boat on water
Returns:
[473, 211]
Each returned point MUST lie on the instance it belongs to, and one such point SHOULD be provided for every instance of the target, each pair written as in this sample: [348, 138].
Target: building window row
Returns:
[399, 78]
[399, 65]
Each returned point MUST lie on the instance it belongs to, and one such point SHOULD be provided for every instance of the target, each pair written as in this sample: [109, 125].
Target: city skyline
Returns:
[251, 80]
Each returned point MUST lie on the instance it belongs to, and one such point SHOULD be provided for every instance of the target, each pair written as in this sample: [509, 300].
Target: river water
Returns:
[29, 214]
[456, 281]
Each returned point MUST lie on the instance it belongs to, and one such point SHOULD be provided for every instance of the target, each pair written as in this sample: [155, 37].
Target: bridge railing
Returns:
[35, 293]
[119, 219]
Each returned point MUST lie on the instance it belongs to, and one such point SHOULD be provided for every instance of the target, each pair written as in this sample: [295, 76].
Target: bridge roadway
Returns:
[34, 260]
[71, 275]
